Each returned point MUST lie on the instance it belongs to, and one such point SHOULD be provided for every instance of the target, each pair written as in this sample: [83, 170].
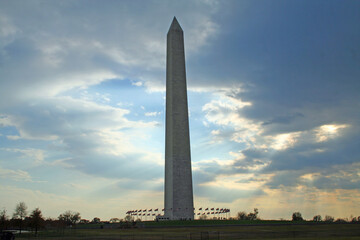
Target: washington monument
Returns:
[178, 178]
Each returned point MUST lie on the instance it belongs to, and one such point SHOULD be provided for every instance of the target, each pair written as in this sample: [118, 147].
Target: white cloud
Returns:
[226, 112]
[17, 175]
[5, 120]
[328, 131]
[36, 155]
[202, 30]
[6, 27]
[138, 84]
[284, 141]
[84, 132]
[152, 114]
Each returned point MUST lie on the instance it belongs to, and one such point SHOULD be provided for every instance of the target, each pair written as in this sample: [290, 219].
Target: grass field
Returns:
[223, 232]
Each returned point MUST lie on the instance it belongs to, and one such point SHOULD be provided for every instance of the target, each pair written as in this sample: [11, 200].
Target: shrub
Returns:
[329, 218]
[317, 218]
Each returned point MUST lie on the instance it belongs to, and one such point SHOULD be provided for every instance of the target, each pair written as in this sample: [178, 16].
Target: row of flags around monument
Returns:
[145, 212]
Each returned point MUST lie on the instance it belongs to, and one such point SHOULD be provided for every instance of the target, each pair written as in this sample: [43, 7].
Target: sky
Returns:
[273, 94]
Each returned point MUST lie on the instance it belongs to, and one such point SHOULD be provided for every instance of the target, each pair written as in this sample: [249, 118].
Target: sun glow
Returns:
[329, 131]
[285, 140]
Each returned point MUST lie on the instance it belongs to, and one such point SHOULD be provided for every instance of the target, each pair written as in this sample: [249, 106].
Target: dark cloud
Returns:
[200, 176]
[298, 66]
[284, 119]
[284, 179]
[306, 155]
[331, 183]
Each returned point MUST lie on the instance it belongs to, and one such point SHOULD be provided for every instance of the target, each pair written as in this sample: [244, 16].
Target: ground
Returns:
[223, 232]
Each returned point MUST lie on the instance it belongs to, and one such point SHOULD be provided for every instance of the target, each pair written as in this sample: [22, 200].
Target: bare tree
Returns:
[249, 216]
[69, 217]
[241, 216]
[317, 218]
[36, 219]
[3, 219]
[254, 215]
[20, 213]
[328, 218]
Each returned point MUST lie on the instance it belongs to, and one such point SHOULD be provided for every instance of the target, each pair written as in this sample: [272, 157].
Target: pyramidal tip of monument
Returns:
[175, 26]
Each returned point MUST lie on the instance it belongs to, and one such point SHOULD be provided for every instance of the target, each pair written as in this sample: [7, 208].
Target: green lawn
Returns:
[257, 231]
[217, 222]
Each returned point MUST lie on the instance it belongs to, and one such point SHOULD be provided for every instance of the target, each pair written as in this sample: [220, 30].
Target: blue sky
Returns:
[273, 92]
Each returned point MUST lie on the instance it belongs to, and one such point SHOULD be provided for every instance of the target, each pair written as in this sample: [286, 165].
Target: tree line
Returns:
[297, 216]
[21, 219]
[35, 220]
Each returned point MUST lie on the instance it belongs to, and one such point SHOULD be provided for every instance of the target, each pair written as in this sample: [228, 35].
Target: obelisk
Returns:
[178, 178]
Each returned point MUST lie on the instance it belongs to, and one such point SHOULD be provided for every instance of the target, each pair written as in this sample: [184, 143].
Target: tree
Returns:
[296, 216]
[20, 213]
[254, 215]
[69, 217]
[241, 216]
[317, 218]
[340, 220]
[96, 220]
[250, 216]
[328, 218]
[3, 220]
[36, 219]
